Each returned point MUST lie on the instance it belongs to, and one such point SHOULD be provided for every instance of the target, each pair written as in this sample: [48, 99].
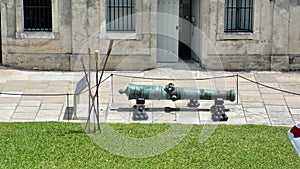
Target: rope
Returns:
[126, 76]
[147, 78]
[91, 87]
[270, 87]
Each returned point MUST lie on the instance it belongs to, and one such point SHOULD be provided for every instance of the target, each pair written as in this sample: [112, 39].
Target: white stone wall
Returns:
[81, 24]
[36, 50]
[274, 43]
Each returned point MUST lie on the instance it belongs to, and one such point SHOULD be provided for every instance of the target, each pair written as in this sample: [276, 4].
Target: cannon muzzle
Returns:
[170, 92]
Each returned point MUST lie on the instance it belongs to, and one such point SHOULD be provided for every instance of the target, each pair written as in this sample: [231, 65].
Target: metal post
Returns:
[68, 107]
[237, 89]
[112, 89]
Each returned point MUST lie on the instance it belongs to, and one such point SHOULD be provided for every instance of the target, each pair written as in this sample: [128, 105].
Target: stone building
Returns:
[239, 34]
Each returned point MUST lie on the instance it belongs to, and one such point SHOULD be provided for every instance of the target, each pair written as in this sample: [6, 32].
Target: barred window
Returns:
[37, 15]
[238, 16]
[120, 15]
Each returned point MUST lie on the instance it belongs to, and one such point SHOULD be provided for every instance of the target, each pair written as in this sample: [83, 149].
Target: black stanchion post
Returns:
[68, 107]
[237, 89]
[112, 89]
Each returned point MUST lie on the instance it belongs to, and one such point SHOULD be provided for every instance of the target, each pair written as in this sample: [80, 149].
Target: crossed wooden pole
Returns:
[92, 108]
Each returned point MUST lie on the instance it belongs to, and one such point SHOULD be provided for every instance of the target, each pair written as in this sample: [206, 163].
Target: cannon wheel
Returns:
[218, 113]
[139, 113]
[193, 103]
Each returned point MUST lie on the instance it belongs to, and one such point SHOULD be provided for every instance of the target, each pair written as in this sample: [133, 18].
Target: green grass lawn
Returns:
[66, 145]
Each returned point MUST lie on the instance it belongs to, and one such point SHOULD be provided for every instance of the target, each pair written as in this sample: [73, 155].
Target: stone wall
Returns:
[274, 44]
[89, 30]
[79, 24]
[36, 51]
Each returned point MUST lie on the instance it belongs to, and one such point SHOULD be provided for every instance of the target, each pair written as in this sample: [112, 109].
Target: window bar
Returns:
[42, 10]
[39, 10]
[43, 16]
[238, 17]
[114, 8]
[231, 22]
[111, 21]
[108, 14]
[47, 18]
[50, 19]
[123, 19]
[27, 13]
[30, 16]
[248, 14]
[244, 11]
[37, 20]
[30, 19]
[131, 6]
[227, 13]
[127, 9]
[34, 17]
[251, 14]
[24, 16]
[118, 18]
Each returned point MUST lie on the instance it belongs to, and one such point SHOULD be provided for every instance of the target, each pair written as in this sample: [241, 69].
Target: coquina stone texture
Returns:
[79, 24]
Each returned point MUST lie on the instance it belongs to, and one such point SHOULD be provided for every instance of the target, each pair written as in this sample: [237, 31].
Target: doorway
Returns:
[0, 40]
[185, 13]
[178, 35]
[167, 30]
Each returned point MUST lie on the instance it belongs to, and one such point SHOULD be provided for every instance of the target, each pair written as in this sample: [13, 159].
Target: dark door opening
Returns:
[0, 41]
[185, 29]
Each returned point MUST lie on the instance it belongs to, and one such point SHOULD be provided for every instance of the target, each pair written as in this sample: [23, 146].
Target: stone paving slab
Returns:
[6, 114]
[296, 117]
[295, 111]
[188, 117]
[257, 104]
[48, 115]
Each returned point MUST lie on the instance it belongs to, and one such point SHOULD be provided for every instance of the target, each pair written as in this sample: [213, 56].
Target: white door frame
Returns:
[167, 30]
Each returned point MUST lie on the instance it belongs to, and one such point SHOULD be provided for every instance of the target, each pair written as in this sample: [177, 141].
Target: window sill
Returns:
[121, 36]
[235, 36]
[37, 35]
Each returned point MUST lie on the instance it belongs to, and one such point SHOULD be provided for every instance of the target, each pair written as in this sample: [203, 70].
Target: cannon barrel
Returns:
[170, 92]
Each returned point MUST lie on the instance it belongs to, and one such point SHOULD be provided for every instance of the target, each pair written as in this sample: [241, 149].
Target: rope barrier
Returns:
[50, 94]
[137, 77]
[38, 95]
[76, 94]
[209, 78]
[270, 87]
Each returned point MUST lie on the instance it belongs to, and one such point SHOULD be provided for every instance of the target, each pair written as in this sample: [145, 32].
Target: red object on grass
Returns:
[296, 131]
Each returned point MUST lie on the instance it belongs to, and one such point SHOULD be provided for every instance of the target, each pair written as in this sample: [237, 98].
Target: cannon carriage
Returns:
[169, 92]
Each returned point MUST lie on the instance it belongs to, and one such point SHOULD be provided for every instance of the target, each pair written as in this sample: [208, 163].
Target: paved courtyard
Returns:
[256, 104]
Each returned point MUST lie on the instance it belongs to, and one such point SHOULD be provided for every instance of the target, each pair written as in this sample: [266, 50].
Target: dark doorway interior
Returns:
[0, 41]
[185, 29]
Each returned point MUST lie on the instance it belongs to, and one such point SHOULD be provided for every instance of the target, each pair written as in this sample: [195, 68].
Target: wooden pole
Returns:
[89, 84]
[97, 91]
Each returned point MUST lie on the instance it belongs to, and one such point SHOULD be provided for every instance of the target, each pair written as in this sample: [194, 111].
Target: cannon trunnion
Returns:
[169, 92]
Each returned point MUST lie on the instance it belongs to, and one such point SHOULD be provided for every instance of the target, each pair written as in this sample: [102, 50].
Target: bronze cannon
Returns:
[169, 92]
